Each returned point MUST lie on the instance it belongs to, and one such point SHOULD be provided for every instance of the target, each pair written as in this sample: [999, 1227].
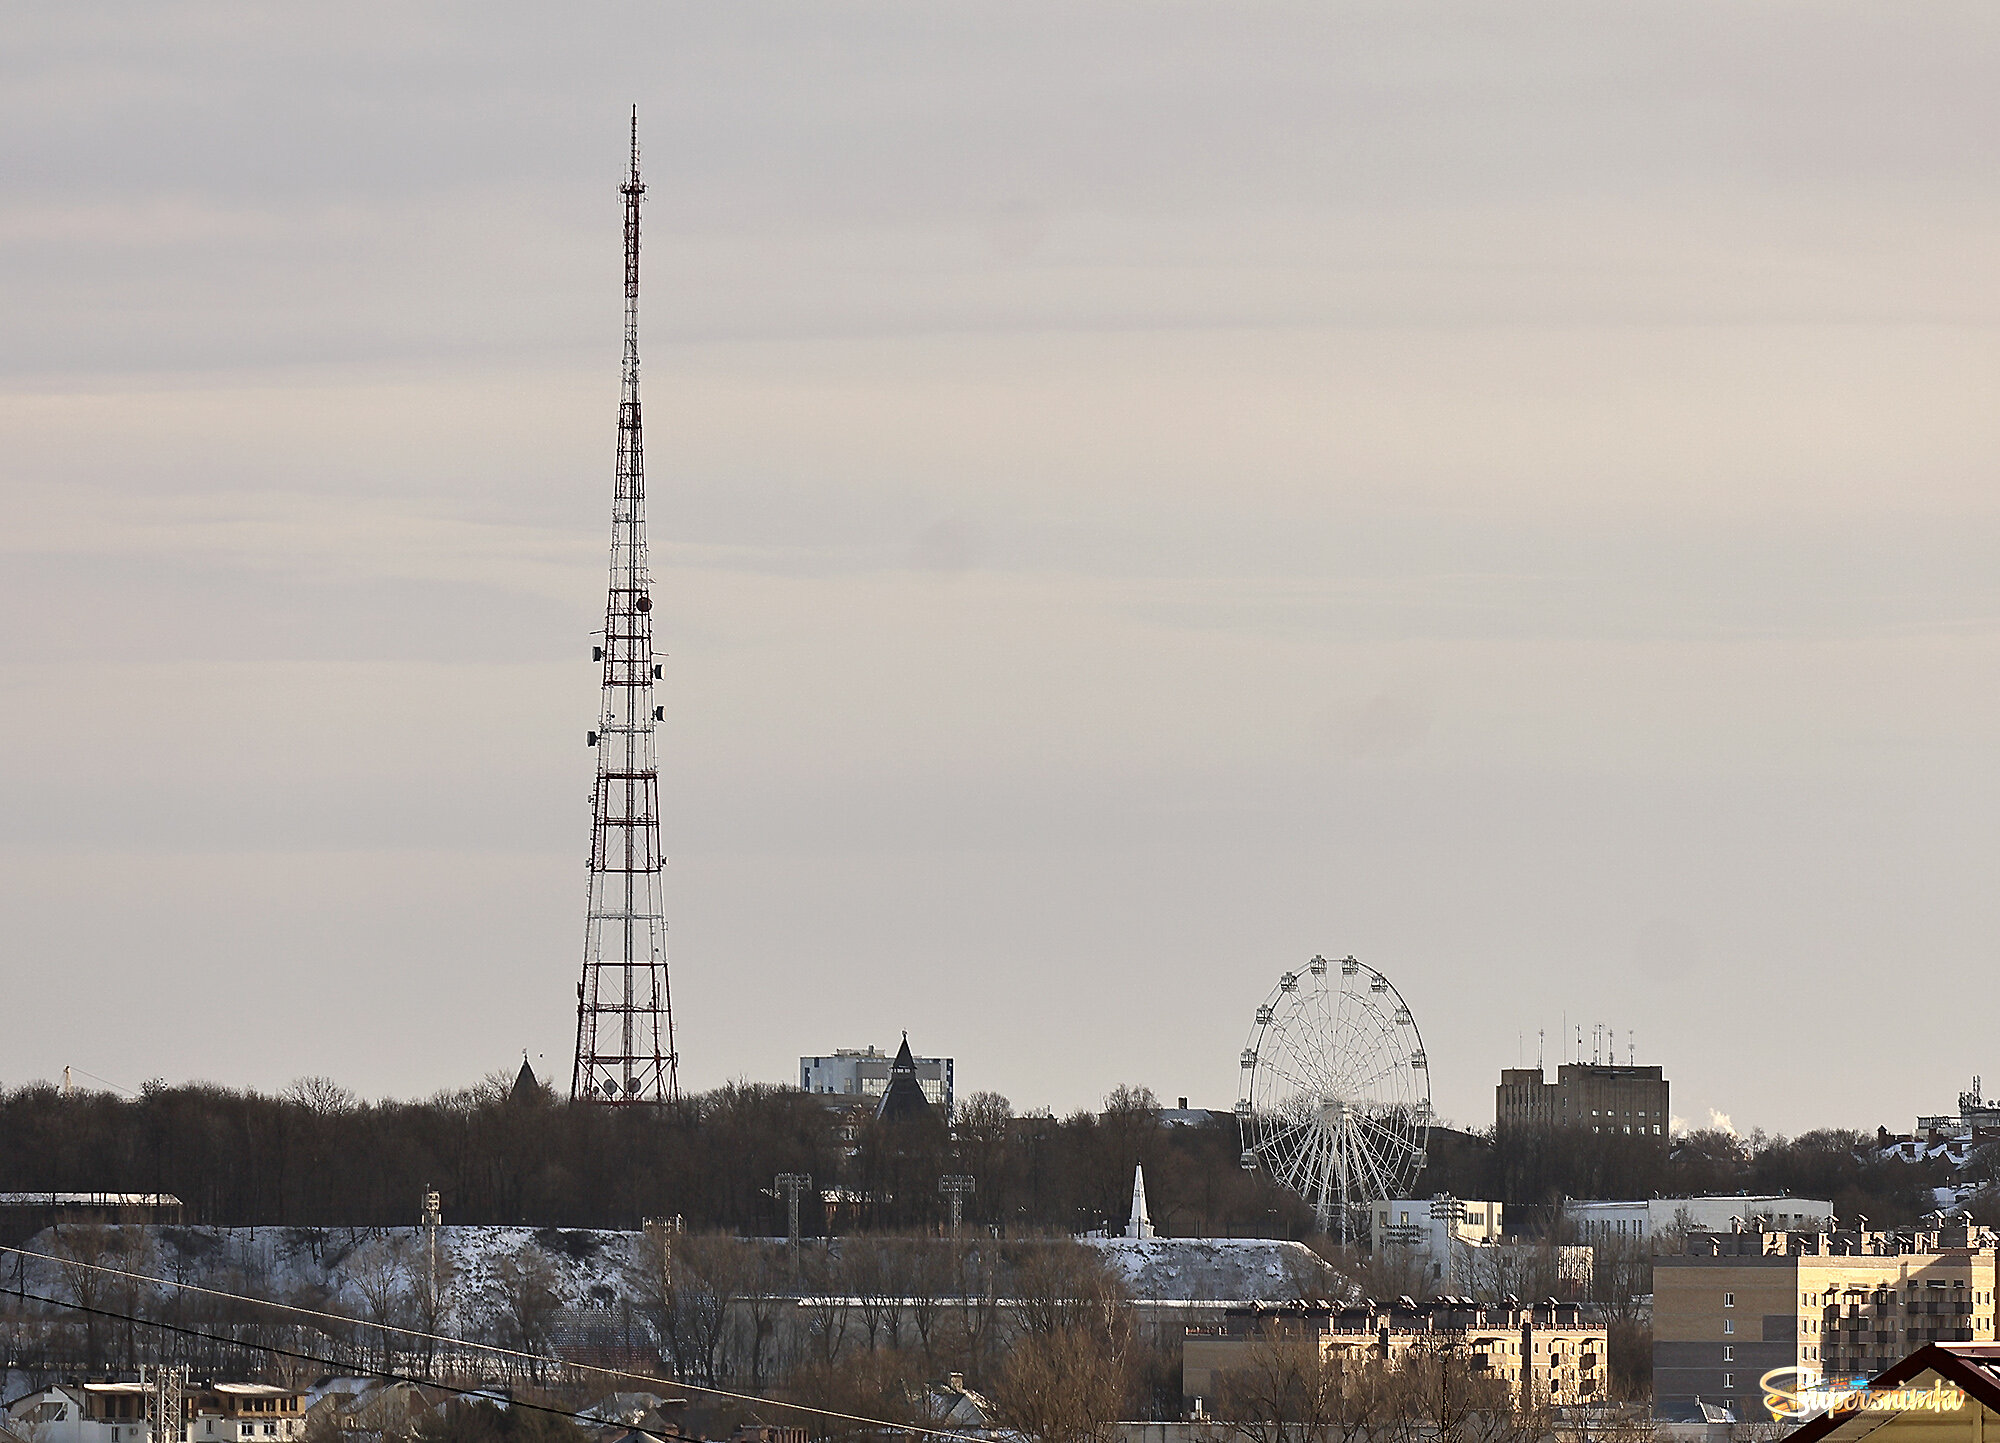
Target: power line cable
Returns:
[345, 1369]
[492, 1348]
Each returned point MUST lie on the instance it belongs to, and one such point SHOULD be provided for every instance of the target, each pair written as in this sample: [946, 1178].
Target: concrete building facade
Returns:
[1546, 1353]
[1636, 1219]
[1438, 1234]
[1460, 1249]
[1604, 1097]
[1736, 1305]
[114, 1412]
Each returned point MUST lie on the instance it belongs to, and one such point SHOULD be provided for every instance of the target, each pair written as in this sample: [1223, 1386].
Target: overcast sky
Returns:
[1143, 493]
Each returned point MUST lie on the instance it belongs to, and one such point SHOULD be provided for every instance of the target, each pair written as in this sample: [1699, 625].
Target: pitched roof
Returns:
[1975, 1367]
[527, 1087]
[903, 1099]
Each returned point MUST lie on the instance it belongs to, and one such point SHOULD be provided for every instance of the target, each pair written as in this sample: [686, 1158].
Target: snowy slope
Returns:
[1207, 1270]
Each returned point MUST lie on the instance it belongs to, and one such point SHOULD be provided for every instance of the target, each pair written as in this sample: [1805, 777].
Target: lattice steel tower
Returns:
[624, 1010]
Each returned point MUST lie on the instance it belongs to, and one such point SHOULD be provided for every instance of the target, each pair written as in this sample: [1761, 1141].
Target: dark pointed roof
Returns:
[527, 1086]
[904, 1098]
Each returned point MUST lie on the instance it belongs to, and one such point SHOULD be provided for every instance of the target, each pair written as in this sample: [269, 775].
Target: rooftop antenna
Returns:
[1541, 1041]
[624, 1009]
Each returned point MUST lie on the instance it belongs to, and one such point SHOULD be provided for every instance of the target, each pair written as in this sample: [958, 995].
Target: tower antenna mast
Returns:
[624, 1008]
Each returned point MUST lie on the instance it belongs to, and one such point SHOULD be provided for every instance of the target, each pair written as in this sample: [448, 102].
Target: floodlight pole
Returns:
[955, 1185]
[792, 1184]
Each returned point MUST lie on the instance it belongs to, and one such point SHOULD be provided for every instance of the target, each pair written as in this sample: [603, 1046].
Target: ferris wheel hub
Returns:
[1335, 1097]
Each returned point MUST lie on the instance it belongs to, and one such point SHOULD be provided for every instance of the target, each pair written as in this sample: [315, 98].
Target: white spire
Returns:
[1141, 1225]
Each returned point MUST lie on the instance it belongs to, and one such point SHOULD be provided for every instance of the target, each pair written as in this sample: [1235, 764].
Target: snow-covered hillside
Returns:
[1218, 1270]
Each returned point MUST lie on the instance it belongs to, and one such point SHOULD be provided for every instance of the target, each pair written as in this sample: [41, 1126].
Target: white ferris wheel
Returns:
[1336, 1094]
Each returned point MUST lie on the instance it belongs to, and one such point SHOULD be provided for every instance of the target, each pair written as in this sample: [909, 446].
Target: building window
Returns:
[1729, 1300]
[1729, 1380]
[1728, 1354]
[1728, 1326]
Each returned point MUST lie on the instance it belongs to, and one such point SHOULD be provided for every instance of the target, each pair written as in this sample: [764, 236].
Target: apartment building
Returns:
[118, 1412]
[1736, 1305]
[1546, 1352]
[1604, 1097]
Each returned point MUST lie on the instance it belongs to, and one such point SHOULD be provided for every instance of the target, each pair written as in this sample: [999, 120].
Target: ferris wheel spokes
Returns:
[1335, 1099]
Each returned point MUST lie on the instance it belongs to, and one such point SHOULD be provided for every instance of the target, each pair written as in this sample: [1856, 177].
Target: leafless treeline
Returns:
[317, 1157]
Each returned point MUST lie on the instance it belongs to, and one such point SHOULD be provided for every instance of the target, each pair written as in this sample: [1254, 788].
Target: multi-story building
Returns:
[110, 1412]
[1438, 1234]
[1736, 1305]
[1975, 1114]
[862, 1075]
[1460, 1248]
[1431, 1224]
[1545, 1353]
[1604, 1097]
[1611, 1221]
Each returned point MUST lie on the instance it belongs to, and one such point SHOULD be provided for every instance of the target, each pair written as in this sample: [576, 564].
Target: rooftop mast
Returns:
[624, 1008]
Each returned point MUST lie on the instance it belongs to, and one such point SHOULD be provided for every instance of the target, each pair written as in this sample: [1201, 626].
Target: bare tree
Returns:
[1291, 1389]
[885, 1383]
[321, 1096]
[871, 1274]
[432, 1274]
[85, 1251]
[685, 1286]
[1385, 1272]
[1064, 1287]
[1062, 1387]
[763, 1300]
[975, 1285]
[1435, 1395]
[925, 1276]
[825, 1304]
[380, 1273]
[528, 1293]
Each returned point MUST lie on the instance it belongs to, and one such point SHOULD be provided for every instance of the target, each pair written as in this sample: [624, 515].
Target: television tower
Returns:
[624, 1010]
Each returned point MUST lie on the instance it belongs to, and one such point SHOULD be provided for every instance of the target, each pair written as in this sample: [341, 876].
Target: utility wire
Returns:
[345, 1369]
[493, 1348]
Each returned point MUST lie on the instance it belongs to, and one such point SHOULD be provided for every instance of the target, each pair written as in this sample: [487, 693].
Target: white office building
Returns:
[1441, 1233]
[1612, 1220]
[862, 1074]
